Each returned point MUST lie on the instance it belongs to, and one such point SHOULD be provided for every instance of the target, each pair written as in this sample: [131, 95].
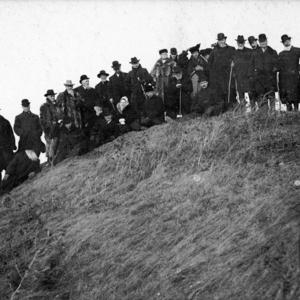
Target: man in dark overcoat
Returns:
[102, 89]
[27, 126]
[50, 116]
[134, 82]
[117, 84]
[289, 74]
[154, 107]
[265, 67]
[242, 60]
[178, 94]
[7, 144]
[220, 72]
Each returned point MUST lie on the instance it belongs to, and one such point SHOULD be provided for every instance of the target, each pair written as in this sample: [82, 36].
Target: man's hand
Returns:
[178, 85]
[111, 100]
[6, 177]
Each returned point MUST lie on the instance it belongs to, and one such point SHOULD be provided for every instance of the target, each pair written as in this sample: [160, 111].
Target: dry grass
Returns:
[196, 209]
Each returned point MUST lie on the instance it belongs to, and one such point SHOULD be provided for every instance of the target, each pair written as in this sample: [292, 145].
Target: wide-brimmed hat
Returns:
[25, 102]
[161, 51]
[134, 60]
[50, 93]
[251, 39]
[240, 39]
[68, 83]
[262, 37]
[194, 48]
[83, 77]
[221, 36]
[115, 64]
[102, 72]
[285, 38]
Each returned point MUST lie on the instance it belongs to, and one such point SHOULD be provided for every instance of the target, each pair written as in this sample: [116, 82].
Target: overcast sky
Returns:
[43, 43]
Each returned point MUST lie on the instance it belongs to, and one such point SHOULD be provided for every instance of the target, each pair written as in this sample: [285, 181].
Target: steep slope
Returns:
[196, 209]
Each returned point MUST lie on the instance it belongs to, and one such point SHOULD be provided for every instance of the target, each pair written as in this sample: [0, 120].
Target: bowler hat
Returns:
[221, 36]
[251, 39]
[240, 39]
[134, 60]
[262, 37]
[83, 77]
[148, 87]
[115, 64]
[68, 83]
[284, 38]
[173, 51]
[50, 93]
[25, 102]
[163, 51]
[102, 72]
[195, 48]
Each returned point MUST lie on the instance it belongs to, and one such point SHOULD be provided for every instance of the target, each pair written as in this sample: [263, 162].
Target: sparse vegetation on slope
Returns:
[196, 209]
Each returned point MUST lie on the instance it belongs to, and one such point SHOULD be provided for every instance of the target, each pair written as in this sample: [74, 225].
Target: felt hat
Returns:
[83, 77]
[221, 36]
[50, 93]
[25, 102]
[102, 72]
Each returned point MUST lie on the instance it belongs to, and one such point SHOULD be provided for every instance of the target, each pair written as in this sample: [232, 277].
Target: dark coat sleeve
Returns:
[38, 126]
[45, 118]
[17, 126]
[10, 137]
[12, 166]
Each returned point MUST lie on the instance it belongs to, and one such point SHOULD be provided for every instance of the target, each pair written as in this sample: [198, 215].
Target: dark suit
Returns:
[28, 127]
[117, 86]
[91, 99]
[7, 143]
[103, 94]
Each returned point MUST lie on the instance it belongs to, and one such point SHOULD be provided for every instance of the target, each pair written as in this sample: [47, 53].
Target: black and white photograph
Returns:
[149, 150]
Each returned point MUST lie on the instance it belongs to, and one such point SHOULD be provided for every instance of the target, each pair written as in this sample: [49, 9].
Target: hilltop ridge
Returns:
[195, 209]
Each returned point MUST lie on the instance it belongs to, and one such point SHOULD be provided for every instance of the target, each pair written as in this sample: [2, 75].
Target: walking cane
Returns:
[229, 83]
[180, 113]
[277, 95]
[237, 92]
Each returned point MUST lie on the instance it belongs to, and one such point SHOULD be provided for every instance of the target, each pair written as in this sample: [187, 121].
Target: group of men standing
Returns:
[209, 82]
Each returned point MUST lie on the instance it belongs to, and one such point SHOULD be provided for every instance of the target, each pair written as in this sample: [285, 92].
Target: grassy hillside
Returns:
[196, 209]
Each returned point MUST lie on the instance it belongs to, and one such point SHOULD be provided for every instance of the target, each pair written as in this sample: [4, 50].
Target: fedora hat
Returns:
[102, 72]
[251, 39]
[262, 37]
[83, 77]
[68, 83]
[221, 36]
[50, 93]
[115, 64]
[25, 103]
[285, 37]
[195, 48]
[134, 60]
[240, 39]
